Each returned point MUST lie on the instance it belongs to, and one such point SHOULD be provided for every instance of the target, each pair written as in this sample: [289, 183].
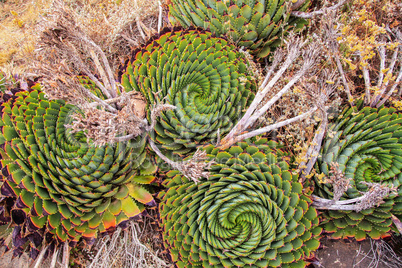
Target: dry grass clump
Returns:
[138, 246]
[111, 24]
[116, 26]
[66, 35]
[381, 254]
[17, 30]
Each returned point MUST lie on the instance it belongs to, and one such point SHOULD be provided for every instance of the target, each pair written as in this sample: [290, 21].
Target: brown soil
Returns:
[364, 254]
[343, 254]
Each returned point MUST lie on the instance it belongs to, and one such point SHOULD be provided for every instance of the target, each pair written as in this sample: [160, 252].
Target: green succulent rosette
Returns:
[256, 25]
[55, 184]
[367, 144]
[204, 77]
[250, 212]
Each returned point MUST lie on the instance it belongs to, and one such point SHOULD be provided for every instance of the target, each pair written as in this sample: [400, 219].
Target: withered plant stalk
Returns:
[310, 15]
[293, 49]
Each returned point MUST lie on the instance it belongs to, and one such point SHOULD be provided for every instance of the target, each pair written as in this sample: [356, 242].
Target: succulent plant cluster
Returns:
[54, 184]
[367, 145]
[251, 211]
[257, 25]
[204, 77]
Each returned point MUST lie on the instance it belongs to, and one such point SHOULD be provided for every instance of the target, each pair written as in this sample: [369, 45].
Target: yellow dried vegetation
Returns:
[110, 23]
[366, 30]
[17, 21]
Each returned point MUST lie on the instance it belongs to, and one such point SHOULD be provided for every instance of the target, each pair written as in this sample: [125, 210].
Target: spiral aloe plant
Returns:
[57, 185]
[206, 79]
[251, 211]
[367, 145]
[257, 25]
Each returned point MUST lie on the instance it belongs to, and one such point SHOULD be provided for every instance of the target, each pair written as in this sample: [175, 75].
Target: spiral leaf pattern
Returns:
[257, 25]
[250, 212]
[59, 183]
[367, 145]
[206, 79]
